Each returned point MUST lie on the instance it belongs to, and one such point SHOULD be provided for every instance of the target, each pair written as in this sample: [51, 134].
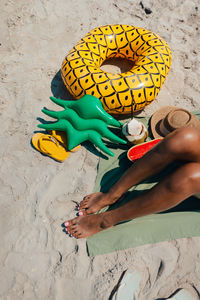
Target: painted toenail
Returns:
[80, 213]
[66, 223]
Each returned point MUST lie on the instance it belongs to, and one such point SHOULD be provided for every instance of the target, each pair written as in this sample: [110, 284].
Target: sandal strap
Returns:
[46, 137]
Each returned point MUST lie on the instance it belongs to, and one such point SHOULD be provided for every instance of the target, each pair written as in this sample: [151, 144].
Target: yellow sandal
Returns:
[62, 138]
[48, 145]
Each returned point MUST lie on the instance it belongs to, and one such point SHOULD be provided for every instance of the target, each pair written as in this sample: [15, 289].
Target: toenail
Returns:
[66, 223]
[80, 213]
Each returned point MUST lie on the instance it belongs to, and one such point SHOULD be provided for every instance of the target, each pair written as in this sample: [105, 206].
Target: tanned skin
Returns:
[180, 145]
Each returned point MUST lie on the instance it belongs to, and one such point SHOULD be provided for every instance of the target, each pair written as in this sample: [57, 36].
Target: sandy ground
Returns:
[38, 261]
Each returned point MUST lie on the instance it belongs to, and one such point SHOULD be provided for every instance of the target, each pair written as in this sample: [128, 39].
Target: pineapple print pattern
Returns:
[119, 93]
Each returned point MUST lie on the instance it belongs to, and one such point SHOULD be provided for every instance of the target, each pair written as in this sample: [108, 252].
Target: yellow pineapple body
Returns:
[125, 92]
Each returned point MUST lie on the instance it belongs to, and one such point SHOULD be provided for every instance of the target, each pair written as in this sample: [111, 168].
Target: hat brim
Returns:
[160, 114]
[156, 119]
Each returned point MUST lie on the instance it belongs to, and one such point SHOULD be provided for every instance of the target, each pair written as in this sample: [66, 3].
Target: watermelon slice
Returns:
[138, 151]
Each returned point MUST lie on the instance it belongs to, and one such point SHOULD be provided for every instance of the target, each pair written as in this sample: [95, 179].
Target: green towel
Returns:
[178, 222]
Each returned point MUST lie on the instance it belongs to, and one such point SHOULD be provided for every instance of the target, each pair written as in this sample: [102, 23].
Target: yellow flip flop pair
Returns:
[53, 144]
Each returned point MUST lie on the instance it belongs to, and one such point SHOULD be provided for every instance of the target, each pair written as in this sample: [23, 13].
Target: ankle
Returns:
[106, 221]
[113, 196]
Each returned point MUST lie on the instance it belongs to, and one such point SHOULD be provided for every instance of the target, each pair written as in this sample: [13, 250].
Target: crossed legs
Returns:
[181, 145]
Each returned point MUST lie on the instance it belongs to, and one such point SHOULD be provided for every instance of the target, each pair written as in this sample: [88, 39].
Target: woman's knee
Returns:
[182, 141]
[192, 173]
[188, 176]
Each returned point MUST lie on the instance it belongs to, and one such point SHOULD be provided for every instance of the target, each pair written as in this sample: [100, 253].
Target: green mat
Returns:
[178, 222]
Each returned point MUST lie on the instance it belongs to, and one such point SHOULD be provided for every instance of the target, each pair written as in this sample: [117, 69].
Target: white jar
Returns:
[134, 131]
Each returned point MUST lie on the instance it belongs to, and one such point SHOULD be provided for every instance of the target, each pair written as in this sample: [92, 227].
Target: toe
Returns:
[82, 213]
[70, 222]
[90, 211]
[86, 212]
[86, 197]
[83, 204]
[74, 232]
[78, 235]
[72, 228]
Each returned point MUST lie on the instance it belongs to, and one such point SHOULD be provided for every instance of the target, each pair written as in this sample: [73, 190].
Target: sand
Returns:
[38, 261]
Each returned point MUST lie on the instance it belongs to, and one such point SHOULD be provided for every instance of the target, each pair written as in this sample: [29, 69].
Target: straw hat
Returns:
[169, 118]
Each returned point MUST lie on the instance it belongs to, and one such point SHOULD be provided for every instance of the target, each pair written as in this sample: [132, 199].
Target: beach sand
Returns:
[38, 261]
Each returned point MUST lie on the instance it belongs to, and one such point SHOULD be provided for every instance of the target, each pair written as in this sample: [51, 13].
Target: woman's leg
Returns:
[182, 144]
[176, 187]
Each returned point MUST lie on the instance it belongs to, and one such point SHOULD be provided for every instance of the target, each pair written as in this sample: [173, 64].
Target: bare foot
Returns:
[85, 226]
[94, 202]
